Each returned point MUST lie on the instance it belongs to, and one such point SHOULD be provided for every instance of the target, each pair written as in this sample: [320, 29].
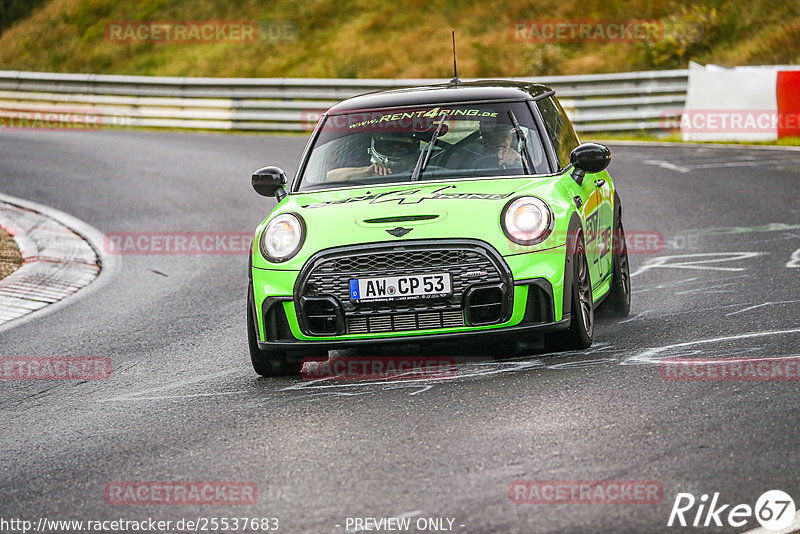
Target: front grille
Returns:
[398, 322]
[469, 263]
[419, 259]
[332, 277]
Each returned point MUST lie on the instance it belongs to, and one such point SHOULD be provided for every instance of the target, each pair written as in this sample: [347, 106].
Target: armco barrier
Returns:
[602, 102]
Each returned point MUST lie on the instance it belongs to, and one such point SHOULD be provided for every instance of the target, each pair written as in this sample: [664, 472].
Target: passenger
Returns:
[497, 139]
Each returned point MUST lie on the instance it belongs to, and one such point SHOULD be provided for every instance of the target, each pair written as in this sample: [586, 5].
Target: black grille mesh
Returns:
[467, 265]
[418, 259]
[398, 322]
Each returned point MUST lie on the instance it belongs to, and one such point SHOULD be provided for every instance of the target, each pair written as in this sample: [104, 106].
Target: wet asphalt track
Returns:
[184, 404]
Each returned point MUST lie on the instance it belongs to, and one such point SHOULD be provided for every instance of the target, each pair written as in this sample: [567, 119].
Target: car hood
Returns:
[468, 209]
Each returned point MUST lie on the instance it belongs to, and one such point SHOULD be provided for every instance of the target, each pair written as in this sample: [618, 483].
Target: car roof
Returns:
[449, 93]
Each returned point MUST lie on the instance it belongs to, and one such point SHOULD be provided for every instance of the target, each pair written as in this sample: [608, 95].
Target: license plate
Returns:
[401, 287]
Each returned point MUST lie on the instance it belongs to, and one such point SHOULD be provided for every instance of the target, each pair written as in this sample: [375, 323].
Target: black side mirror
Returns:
[589, 158]
[269, 182]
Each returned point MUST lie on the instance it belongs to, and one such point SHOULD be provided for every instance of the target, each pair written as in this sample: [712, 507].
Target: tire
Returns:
[267, 362]
[618, 302]
[581, 327]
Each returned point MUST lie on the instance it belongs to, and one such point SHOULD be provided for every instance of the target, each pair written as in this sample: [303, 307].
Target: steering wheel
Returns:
[488, 161]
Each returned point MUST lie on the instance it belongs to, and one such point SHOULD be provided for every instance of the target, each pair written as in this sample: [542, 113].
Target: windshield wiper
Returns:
[425, 156]
[527, 162]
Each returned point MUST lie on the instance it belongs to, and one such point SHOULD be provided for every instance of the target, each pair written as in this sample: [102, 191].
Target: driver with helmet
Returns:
[389, 152]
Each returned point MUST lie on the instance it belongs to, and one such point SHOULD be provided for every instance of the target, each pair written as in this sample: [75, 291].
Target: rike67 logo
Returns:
[774, 510]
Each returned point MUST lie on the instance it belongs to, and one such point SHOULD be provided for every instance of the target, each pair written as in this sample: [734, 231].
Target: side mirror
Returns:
[269, 182]
[589, 158]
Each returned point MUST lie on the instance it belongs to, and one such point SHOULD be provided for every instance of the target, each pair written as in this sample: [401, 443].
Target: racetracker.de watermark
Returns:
[728, 120]
[781, 369]
[585, 492]
[55, 368]
[636, 242]
[147, 493]
[600, 243]
[177, 243]
[571, 31]
[379, 368]
[51, 119]
[201, 31]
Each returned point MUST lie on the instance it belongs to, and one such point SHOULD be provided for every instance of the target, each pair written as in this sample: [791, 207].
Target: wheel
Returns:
[267, 362]
[581, 327]
[618, 302]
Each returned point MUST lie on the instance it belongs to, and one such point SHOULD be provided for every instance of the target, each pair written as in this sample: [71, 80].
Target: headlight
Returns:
[527, 220]
[282, 238]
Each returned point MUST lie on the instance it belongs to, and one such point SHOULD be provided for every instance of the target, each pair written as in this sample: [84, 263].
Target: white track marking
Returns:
[142, 395]
[794, 261]
[651, 355]
[667, 165]
[416, 383]
[754, 163]
[170, 397]
[341, 393]
[735, 230]
[760, 305]
[473, 369]
[581, 364]
[695, 261]
[692, 310]
[666, 285]
[744, 162]
[637, 316]
[708, 289]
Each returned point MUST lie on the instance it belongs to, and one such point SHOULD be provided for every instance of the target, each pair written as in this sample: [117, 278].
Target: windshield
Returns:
[424, 143]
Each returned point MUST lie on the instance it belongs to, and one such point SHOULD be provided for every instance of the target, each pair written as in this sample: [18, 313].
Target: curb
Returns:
[61, 255]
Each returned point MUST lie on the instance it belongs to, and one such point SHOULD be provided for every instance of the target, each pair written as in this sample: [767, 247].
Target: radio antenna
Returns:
[455, 80]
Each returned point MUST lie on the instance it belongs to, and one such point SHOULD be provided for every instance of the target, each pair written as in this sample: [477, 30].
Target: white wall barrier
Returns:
[740, 104]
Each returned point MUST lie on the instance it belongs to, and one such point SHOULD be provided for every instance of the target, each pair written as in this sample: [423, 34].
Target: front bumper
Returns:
[532, 285]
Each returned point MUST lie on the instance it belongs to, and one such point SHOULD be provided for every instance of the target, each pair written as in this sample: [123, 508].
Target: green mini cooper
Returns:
[434, 213]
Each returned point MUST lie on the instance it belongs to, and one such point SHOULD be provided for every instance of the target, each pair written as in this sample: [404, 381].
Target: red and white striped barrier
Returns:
[741, 103]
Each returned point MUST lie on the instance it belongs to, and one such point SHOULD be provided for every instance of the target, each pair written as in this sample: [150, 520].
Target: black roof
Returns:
[484, 90]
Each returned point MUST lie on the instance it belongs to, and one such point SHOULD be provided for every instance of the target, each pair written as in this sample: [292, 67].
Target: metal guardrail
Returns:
[596, 103]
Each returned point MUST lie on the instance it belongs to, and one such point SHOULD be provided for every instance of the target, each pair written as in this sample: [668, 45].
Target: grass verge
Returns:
[10, 258]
